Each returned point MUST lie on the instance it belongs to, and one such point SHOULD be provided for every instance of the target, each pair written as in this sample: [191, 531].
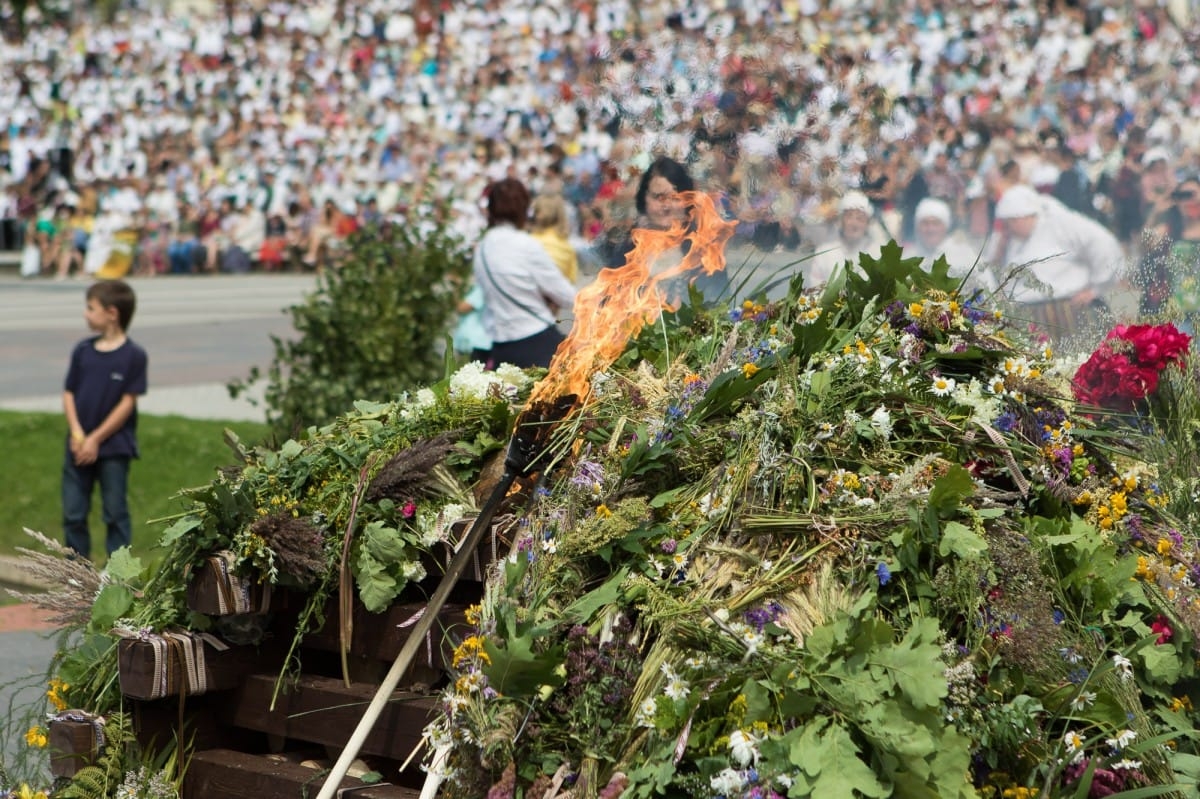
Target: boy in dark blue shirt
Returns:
[105, 377]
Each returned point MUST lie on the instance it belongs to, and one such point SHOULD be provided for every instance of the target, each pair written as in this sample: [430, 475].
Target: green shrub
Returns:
[374, 327]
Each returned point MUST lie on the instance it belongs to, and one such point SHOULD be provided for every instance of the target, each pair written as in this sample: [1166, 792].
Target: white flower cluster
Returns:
[743, 748]
[729, 782]
[881, 423]
[475, 382]
[435, 525]
[985, 406]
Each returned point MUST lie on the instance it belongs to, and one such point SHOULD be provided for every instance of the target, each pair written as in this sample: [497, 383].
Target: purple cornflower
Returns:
[588, 474]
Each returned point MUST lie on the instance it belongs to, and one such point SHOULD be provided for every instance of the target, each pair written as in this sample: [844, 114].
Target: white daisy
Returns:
[1124, 739]
[677, 689]
[1083, 701]
[942, 386]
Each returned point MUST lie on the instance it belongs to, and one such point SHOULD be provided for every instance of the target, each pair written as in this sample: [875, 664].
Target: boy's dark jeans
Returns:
[77, 482]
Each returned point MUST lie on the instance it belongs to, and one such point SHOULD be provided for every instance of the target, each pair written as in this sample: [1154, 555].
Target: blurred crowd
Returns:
[239, 135]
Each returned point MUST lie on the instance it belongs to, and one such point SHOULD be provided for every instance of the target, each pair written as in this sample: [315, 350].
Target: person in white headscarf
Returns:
[936, 236]
[857, 232]
[1067, 263]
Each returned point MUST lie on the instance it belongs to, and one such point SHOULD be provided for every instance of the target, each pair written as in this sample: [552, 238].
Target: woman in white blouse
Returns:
[524, 291]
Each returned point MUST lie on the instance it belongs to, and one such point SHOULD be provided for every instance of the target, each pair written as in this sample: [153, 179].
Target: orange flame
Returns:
[621, 301]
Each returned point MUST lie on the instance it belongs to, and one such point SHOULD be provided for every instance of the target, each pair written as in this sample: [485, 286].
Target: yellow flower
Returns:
[749, 370]
[1164, 546]
[1143, 568]
[916, 309]
[36, 737]
[1018, 792]
[472, 615]
[55, 694]
[470, 649]
[603, 512]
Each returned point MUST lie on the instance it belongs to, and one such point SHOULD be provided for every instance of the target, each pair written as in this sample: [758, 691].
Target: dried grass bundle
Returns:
[299, 547]
[410, 473]
[71, 581]
[825, 598]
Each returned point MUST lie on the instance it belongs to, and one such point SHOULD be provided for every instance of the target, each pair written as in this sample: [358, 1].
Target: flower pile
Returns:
[863, 541]
[852, 543]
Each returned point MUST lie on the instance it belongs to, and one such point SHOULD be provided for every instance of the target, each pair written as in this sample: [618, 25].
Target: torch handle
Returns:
[416, 637]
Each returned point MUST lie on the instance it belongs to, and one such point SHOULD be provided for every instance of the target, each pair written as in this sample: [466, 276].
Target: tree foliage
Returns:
[373, 328]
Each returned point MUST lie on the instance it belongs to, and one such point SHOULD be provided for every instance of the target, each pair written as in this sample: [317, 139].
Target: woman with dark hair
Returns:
[1168, 270]
[660, 206]
[523, 288]
[657, 199]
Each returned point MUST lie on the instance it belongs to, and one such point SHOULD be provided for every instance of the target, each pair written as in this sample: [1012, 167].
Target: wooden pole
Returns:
[416, 638]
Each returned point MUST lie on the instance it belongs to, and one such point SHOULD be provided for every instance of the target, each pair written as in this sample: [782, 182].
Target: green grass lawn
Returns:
[177, 453]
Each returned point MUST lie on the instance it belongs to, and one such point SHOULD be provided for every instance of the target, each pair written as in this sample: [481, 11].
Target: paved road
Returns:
[200, 333]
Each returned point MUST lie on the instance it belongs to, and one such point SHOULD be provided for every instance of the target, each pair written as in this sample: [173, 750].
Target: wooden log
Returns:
[148, 670]
[156, 724]
[235, 775]
[72, 746]
[322, 710]
[380, 636]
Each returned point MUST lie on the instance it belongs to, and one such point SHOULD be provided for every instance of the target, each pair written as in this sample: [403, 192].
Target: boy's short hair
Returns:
[115, 294]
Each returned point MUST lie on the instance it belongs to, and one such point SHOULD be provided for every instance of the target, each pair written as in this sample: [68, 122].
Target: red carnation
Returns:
[1125, 368]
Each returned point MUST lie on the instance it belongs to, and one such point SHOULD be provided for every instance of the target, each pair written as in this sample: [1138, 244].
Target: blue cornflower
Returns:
[1006, 422]
[883, 573]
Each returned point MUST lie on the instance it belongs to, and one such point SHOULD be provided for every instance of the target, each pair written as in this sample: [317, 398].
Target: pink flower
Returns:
[1162, 626]
[409, 510]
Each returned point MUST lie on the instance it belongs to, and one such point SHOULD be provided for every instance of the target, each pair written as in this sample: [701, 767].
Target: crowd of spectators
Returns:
[259, 134]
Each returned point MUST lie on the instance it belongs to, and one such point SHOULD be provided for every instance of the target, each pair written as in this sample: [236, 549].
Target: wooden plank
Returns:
[157, 723]
[382, 635]
[322, 710]
[228, 774]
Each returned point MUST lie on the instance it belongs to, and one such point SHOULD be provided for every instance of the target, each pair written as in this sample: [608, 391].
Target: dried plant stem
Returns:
[72, 582]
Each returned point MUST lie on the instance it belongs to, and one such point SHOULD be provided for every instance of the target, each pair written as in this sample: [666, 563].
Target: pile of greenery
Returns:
[374, 326]
[858, 542]
[861, 542]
